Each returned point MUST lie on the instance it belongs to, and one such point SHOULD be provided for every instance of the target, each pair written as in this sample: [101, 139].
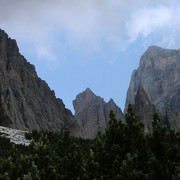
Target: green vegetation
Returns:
[123, 151]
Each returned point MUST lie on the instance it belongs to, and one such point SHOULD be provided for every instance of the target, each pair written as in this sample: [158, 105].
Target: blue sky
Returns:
[75, 44]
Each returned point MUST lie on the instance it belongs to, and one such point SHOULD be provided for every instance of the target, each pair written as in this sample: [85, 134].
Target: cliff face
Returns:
[159, 75]
[92, 112]
[26, 101]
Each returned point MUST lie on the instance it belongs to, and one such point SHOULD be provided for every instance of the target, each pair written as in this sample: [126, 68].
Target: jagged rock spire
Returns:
[92, 112]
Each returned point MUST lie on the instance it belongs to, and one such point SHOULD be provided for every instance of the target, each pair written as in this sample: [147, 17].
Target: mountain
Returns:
[159, 75]
[92, 112]
[26, 101]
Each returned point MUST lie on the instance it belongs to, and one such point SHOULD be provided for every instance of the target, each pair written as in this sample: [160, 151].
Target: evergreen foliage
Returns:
[123, 151]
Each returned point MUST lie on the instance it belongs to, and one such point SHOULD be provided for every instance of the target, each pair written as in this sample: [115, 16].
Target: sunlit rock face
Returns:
[26, 101]
[159, 75]
[92, 112]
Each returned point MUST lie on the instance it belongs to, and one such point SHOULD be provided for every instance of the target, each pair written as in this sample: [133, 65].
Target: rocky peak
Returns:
[89, 92]
[86, 98]
[92, 112]
[111, 101]
[157, 57]
[142, 93]
[159, 75]
[26, 101]
[7, 45]
[153, 51]
[86, 94]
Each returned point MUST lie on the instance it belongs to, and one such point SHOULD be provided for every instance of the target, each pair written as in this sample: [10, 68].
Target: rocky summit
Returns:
[26, 101]
[92, 112]
[159, 76]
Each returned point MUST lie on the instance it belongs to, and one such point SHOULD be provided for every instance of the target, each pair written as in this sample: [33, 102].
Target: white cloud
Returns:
[145, 21]
[159, 25]
[44, 52]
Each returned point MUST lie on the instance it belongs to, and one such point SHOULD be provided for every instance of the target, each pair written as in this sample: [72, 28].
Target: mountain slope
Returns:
[92, 112]
[26, 101]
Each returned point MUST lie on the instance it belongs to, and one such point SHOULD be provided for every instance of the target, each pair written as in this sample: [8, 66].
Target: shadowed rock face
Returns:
[144, 108]
[26, 101]
[159, 75]
[92, 112]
